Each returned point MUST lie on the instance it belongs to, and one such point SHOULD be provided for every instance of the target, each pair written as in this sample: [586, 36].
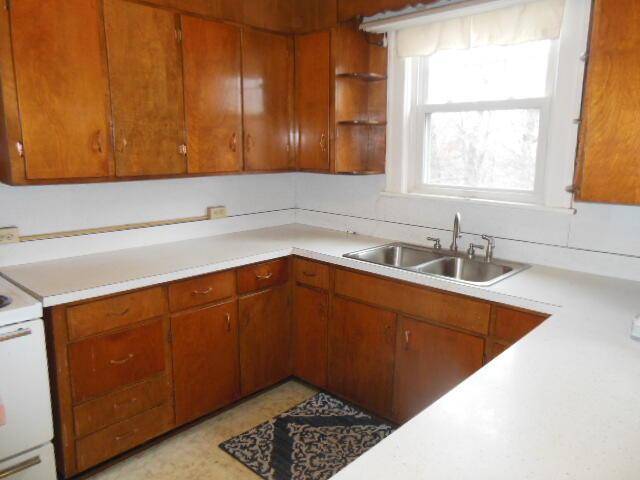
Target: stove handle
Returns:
[20, 467]
[22, 332]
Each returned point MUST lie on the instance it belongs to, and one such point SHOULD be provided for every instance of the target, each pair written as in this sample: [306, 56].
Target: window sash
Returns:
[417, 173]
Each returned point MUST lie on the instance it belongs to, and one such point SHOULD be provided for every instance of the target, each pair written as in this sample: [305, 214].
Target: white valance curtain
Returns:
[536, 20]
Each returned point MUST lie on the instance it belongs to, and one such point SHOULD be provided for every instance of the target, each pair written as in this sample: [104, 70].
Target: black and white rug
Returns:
[313, 440]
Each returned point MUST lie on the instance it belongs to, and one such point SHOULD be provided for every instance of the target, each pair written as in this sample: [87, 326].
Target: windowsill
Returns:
[480, 202]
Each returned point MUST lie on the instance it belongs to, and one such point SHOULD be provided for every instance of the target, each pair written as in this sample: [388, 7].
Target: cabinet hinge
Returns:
[178, 35]
[571, 189]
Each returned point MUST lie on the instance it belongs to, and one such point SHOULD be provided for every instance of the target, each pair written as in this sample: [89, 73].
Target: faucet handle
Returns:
[491, 243]
[471, 251]
[436, 242]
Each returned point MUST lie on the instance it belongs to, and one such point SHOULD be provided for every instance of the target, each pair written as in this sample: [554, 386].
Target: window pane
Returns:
[489, 73]
[494, 149]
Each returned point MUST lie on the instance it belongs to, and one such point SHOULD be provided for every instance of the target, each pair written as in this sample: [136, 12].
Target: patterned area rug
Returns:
[313, 440]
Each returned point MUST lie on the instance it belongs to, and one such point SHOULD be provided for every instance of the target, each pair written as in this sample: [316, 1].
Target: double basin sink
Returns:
[439, 263]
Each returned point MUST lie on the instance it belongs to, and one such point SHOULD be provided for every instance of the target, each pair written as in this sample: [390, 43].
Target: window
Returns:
[485, 121]
[479, 115]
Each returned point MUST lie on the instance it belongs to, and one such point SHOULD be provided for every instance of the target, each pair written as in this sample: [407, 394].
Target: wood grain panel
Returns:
[609, 153]
[310, 330]
[265, 337]
[202, 290]
[212, 65]
[429, 304]
[361, 354]
[145, 69]
[205, 360]
[311, 273]
[430, 361]
[313, 65]
[263, 275]
[120, 405]
[63, 89]
[313, 15]
[115, 312]
[511, 325]
[123, 436]
[100, 364]
[268, 100]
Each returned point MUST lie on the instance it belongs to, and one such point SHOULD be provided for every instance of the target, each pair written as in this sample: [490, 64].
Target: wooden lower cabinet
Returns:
[430, 361]
[129, 367]
[265, 332]
[205, 360]
[361, 354]
[310, 329]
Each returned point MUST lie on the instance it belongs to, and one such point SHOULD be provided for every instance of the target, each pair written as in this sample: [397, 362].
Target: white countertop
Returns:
[561, 403]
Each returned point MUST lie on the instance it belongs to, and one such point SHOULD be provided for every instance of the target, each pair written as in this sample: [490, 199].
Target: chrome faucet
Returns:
[456, 232]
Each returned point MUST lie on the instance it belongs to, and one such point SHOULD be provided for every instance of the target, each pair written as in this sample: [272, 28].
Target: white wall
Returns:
[548, 237]
[45, 209]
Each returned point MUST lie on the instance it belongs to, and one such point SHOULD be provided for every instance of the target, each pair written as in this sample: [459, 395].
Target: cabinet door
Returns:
[430, 361]
[62, 88]
[268, 107]
[310, 309]
[145, 72]
[205, 360]
[212, 93]
[313, 65]
[361, 354]
[608, 165]
[264, 339]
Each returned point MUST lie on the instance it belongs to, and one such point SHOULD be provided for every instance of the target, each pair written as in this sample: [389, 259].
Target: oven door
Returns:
[25, 402]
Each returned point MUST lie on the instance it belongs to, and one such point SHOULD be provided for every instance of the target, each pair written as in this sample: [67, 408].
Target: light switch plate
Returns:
[9, 235]
[217, 212]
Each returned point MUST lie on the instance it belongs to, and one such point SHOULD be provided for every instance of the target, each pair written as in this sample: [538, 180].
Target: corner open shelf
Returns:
[364, 76]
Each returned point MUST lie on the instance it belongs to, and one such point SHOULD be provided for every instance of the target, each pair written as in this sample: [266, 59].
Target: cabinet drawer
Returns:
[101, 364]
[311, 273]
[115, 407]
[421, 302]
[115, 312]
[123, 436]
[512, 325]
[201, 290]
[263, 275]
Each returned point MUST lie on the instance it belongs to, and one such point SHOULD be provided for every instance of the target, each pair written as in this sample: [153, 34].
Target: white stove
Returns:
[26, 427]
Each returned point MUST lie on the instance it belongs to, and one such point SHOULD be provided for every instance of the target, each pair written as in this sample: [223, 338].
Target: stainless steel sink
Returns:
[439, 263]
[396, 255]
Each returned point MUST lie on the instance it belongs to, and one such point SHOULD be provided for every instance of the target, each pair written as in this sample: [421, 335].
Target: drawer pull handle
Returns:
[118, 314]
[22, 332]
[122, 361]
[126, 402]
[228, 319]
[266, 276]
[407, 335]
[126, 435]
[202, 292]
[309, 274]
[20, 467]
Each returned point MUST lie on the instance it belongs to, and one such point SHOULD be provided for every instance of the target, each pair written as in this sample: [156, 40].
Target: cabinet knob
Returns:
[97, 142]
[228, 320]
[20, 149]
[407, 336]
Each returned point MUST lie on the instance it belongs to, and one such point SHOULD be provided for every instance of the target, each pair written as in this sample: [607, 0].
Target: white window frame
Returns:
[558, 127]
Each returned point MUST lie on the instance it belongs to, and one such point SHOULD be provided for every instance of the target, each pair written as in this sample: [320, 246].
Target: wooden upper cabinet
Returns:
[313, 67]
[430, 361]
[609, 152]
[361, 354]
[213, 98]
[268, 100]
[145, 71]
[62, 88]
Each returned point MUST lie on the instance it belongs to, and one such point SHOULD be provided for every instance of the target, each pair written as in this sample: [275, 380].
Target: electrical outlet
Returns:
[217, 212]
[9, 235]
